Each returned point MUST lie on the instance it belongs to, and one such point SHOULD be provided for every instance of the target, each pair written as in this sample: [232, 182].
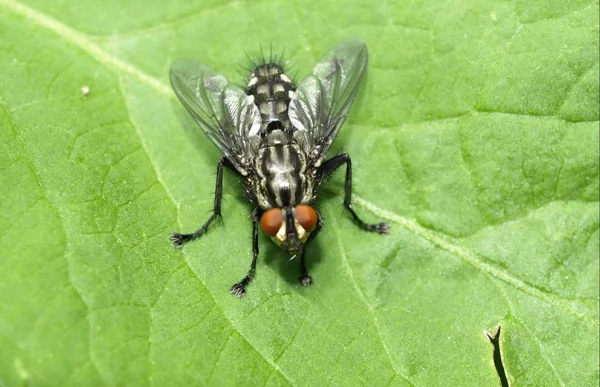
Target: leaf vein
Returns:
[362, 297]
[542, 351]
[85, 43]
[451, 245]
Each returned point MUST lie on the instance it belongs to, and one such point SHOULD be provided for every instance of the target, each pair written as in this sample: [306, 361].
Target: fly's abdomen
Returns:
[282, 176]
[272, 89]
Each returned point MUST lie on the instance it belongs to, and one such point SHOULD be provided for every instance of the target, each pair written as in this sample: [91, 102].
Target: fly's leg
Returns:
[327, 168]
[179, 239]
[239, 289]
[305, 279]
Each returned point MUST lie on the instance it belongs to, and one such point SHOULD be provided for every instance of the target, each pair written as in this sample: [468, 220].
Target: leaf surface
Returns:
[475, 136]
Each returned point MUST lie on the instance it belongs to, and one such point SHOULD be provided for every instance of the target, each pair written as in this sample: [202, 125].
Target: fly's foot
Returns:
[305, 280]
[178, 239]
[379, 228]
[382, 228]
[239, 289]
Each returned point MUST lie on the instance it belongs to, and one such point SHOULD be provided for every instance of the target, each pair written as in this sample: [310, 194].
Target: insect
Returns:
[275, 135]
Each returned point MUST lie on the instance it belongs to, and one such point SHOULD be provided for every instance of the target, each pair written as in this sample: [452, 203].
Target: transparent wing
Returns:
[322, 101]
[223, 111]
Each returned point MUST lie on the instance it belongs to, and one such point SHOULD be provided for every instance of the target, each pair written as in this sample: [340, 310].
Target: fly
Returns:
[275, 135]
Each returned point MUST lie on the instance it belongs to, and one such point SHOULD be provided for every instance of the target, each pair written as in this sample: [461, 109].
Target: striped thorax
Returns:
[282, 180]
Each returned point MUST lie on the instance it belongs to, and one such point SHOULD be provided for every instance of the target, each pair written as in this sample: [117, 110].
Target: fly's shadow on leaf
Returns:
[286, 266]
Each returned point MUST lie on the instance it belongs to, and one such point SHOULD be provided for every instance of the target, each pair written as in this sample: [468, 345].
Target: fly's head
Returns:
[289, 226]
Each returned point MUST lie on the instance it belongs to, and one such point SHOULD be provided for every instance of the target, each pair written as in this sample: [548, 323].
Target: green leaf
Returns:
[475, 136]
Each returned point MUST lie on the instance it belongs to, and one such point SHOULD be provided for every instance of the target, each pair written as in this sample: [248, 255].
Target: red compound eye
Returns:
[271, 221]
[306, 216]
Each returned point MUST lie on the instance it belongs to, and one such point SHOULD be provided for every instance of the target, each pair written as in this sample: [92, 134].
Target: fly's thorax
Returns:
[272, 91]
[281, 168]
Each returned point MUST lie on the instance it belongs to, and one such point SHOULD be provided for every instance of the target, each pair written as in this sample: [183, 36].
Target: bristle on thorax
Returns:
[272, 91]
